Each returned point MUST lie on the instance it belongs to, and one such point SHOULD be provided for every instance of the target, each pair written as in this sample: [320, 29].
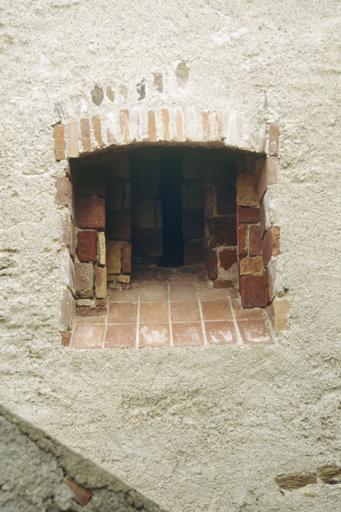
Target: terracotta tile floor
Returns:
[172, 307]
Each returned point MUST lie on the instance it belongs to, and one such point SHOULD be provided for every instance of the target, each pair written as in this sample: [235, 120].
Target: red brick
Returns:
[206, 128]
[193, 224]
[242, 240]
[254, 291]
[101, 302]
[90, 212]
[126, 257]
[226, 199]
[211, 263]
[268, 175]
[85, 134]
[227, 257]
[65, 336]
[82, 495]
[118, 225]
[248, 215]
[222, 231]
[271, 244]
[273, 139]
[151, 126]
[72, 139]
[87, 245]
[63, 191]
[193, 252]
[255, 240]
[59, 142]
[124, 122]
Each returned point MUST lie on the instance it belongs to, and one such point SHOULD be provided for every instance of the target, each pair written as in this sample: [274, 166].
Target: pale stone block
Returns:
[72, 139]
[84, 302]
[101, 282]
[281, 310]
[113, 257]
[101, 249]
[84, 280]
[123, 279]
[276, 285]
[67, 309]
[67, 270]
[136, 113]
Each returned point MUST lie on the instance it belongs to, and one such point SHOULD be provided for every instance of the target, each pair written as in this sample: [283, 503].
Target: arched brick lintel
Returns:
[167, 126]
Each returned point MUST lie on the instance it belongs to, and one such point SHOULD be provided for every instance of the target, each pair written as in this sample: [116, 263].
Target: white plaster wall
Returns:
[195, 429]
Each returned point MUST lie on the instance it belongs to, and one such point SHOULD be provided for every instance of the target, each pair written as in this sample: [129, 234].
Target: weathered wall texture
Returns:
[39, 473]
[195, 429]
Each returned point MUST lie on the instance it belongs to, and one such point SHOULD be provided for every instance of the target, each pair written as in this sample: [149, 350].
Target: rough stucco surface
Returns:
[38, 473]
[194, 429]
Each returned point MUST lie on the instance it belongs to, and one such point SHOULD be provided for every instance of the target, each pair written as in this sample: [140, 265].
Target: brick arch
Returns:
[171, 125]
[133, 128]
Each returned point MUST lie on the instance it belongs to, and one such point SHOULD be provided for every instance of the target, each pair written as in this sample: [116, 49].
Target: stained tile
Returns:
[185, 311]
[90, 320]
[220, 333]
[122, 313]
[247, 314]
[207, 294]
[120, 336]
[123, 295]
[88, 336]
[154, 335]
[216, 310]
[182, 278]
[151, 312]
[254, 331]
[157, 292]
[187, 334]
[183, 292]
[234, 293]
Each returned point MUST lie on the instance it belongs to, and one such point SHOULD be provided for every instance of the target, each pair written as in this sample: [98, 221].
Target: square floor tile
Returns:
[120, 336]
[151, 312]
[90, 320]
[183, 292]
[122, 313]
[187, 334]
[155, 292]
[220, 333]
[254, 331]
[154, 335]
[216, 310]
[185, 311]
[123, 295]
[207, 294]
[88, 336]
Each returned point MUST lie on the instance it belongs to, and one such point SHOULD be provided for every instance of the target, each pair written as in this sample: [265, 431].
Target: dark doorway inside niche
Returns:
[167, 207]
[171, 208]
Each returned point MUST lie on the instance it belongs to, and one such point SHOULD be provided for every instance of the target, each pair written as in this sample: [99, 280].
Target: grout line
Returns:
[201, 316]
[137, 340]
[239, 336]
[169, 317]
